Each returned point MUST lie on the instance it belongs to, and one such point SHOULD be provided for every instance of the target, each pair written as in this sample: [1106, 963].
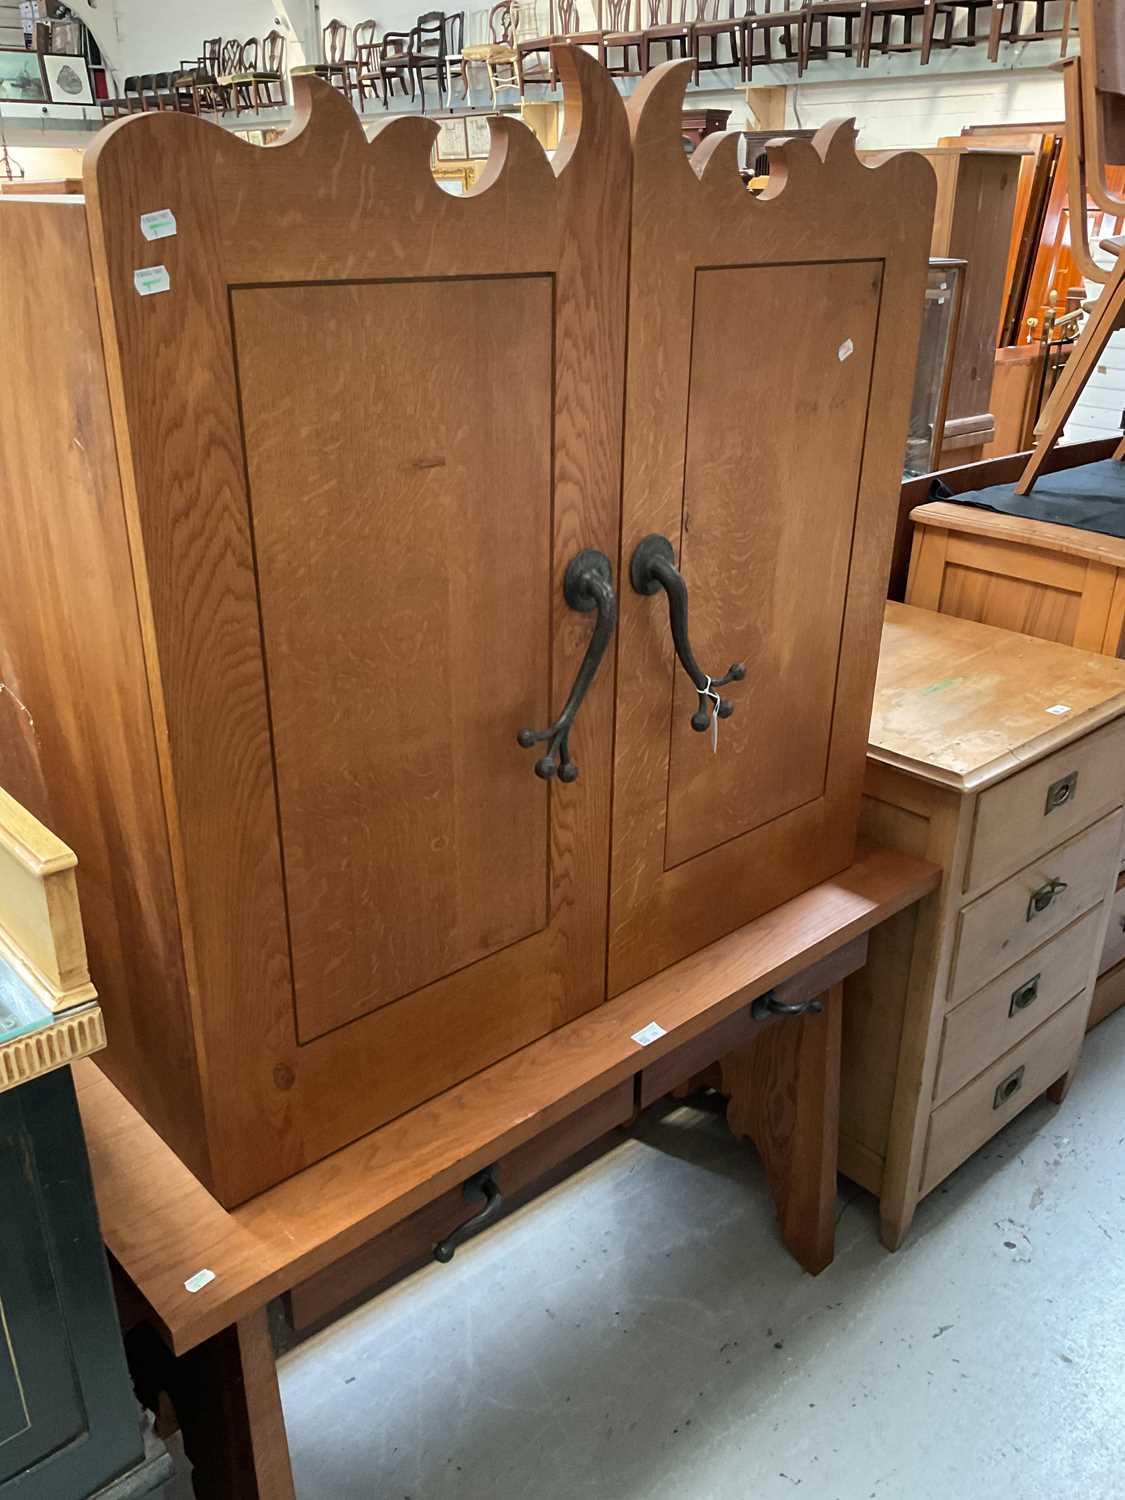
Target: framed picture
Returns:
[68, 79]
[479, 136]
[21, 77]
[451, 142]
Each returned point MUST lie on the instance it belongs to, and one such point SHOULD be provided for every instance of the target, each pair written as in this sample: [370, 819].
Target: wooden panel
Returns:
[996, 930]
[745, 545]
[324, 205]
[405, 575]
[971, 1117]
[696, 234]
[1017, 820]
[1114, 950]
[1010, 603]
[78, 746]
[411, 1242]
[963, 704]
[985, 1026]
[162, 1225]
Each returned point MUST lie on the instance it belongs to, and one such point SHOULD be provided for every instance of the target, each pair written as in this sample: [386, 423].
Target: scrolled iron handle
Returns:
[484, 1185]
[653, 567]
[769, 1005]
[587, 585]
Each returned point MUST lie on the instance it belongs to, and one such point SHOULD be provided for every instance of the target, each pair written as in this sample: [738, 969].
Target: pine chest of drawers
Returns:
[1001, 758]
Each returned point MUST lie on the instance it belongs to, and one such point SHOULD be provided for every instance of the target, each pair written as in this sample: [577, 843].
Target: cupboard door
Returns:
[370, 425]
[771, 350]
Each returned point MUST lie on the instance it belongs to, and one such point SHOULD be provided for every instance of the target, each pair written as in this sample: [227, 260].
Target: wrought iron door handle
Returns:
[481, 1185]
[588, 585]
[653, 567]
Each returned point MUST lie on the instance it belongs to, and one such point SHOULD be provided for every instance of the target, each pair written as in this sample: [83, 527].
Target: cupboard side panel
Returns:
[77, 741]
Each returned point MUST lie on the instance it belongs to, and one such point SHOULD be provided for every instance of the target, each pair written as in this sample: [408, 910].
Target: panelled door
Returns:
[362, 588]
[770, 363]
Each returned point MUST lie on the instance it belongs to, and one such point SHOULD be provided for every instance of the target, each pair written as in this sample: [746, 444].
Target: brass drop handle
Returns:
[588, 585]
[1042, 898]
[1010, 1086]
[652, 568]
[1025, 995]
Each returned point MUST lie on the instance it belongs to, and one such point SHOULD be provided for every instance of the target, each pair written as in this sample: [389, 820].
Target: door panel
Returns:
[388, 514]
[364, 431]
[761, 521]
[770, 360]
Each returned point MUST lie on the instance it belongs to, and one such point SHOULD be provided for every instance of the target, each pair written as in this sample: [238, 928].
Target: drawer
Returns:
[1037, 808]
[1003, 927]
[1114, 950]
[981, 1108]
[989, 1024]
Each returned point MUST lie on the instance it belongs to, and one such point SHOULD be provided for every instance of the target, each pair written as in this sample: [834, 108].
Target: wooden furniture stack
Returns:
[1001, 758]
[284, 704]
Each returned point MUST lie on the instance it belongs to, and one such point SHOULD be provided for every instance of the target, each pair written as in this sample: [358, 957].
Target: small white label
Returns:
[197, 1282]
[151, 279]
[1059, 708]
[159, 224]
[845, 351]
[650, 1033]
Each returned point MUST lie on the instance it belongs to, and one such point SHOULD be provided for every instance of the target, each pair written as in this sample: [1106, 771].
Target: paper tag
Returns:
[197, 1282]
[1059, 708]
[159, 224]
[151, 279]
[650, 1033]
[845, 351]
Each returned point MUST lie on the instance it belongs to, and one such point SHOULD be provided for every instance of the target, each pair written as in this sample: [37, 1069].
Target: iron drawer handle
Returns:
[1025, 995]
[1004, 1091]
[1061, 791]
[769, 1005]
[588, 585]
[1042, 898]
[482, 1184]
[653, 567]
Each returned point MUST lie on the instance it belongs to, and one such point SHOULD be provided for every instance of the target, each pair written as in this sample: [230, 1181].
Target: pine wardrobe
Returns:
[373, 559]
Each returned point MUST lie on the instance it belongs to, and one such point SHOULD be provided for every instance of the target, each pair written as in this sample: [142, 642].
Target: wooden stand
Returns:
[164, 1228]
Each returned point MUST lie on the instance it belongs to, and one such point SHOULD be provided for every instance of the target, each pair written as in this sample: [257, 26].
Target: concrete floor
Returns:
[639, 1333]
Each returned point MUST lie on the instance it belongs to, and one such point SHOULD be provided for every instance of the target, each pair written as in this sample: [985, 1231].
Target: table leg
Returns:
[784, 1094]
[229, 1409]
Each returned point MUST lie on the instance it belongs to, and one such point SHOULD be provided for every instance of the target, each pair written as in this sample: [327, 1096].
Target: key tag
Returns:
[709, 692]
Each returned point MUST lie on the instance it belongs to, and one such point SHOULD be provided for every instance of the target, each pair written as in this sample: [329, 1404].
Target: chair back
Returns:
[429, 34]
[249, 59]
[363, 37]
[620, 15]
[667, 12]
[230, 59]
[273, 53]
[212, 54]
[454, 33]
[569, 19]
[335, 41]
[501, 24]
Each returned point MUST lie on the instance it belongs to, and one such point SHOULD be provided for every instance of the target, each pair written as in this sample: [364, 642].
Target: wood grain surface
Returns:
[321, 208]
[700, 845]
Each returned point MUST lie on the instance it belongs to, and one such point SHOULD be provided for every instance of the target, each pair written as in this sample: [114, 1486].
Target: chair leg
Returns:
[928, 19]
[995, 26]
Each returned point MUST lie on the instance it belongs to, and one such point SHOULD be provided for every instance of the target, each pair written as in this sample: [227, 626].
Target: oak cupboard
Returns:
[327, 503]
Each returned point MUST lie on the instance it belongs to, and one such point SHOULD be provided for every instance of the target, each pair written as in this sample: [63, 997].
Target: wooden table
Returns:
[322, 1231]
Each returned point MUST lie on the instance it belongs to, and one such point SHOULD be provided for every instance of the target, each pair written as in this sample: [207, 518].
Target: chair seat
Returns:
[673, 31]
[489, 52]
[622, 38]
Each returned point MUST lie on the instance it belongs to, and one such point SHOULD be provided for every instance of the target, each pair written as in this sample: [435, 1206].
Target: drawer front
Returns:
[998, 930]
[981, 1108]
[1014, 1004]
[1114, 950]
[1038, 808]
